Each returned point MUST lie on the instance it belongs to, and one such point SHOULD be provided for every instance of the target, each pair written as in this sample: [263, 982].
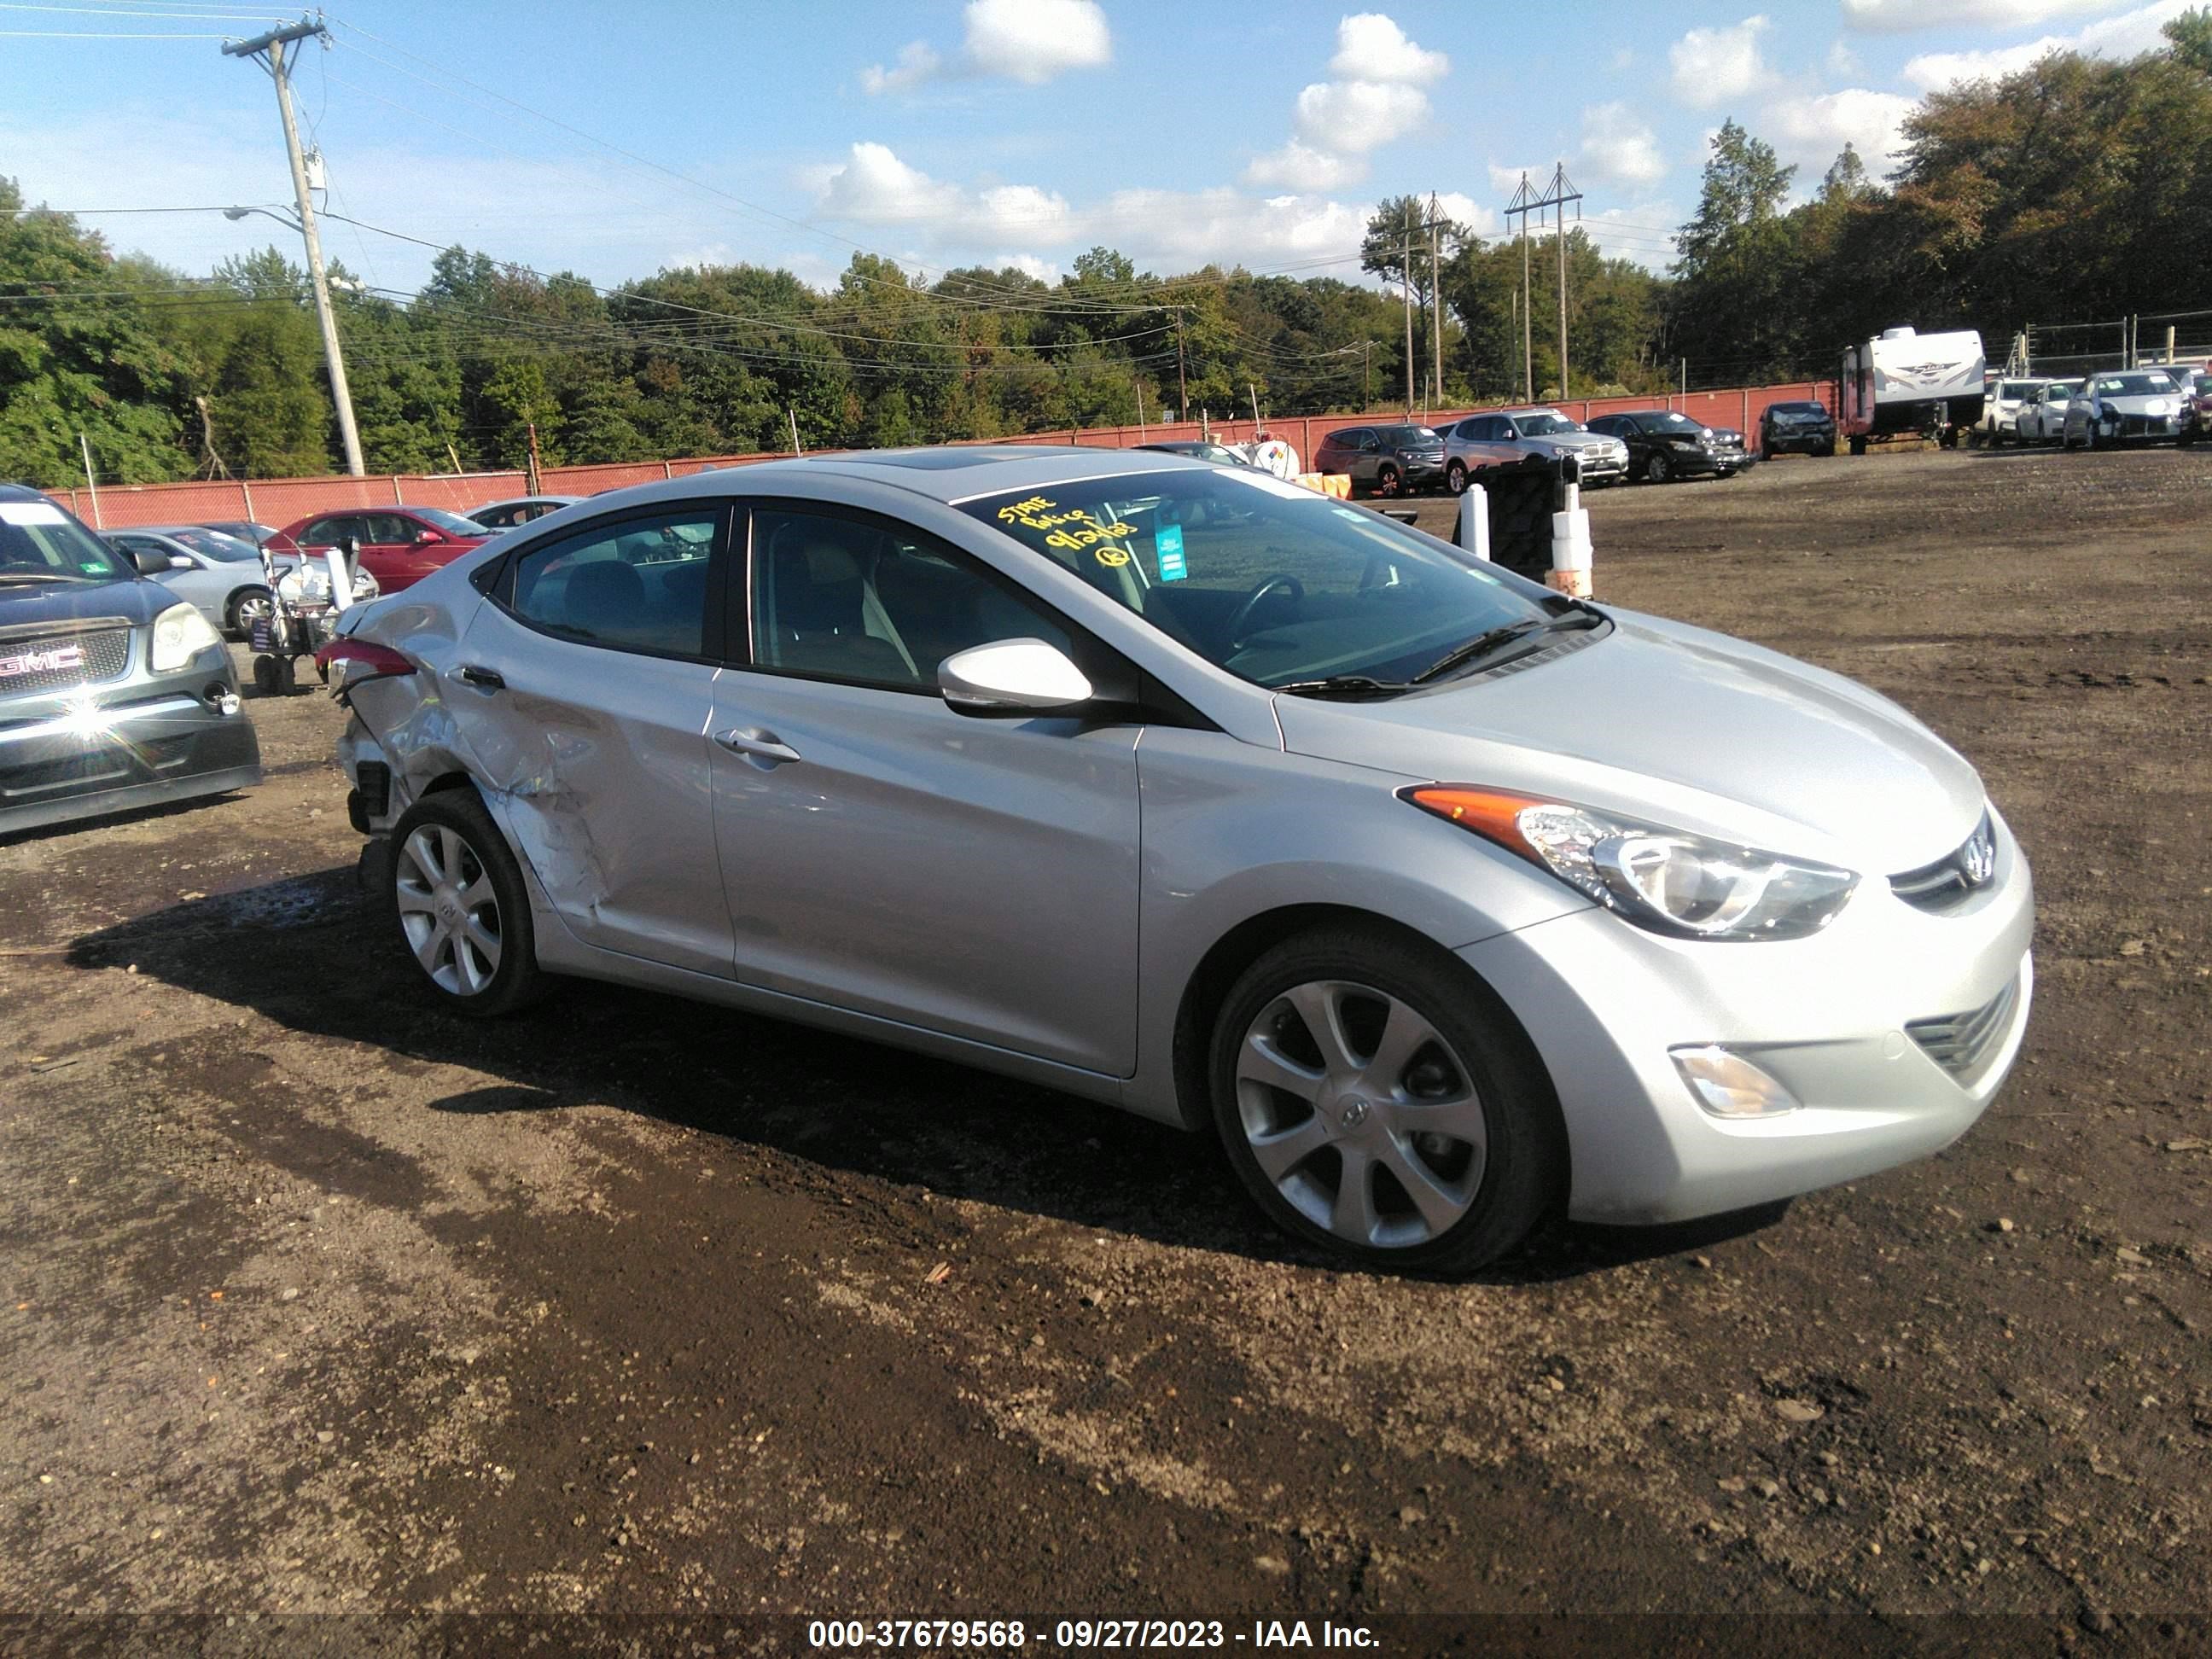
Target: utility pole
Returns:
[1406, 287]
[1366, 375]
[533, 488]
[273, 44]
[91, 482]
[1435, 308]
[1525, 201]
[1183, 391]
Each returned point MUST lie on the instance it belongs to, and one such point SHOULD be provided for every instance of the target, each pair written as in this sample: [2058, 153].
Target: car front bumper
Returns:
[114, 748]
[1847, 1021]
[1805, 443]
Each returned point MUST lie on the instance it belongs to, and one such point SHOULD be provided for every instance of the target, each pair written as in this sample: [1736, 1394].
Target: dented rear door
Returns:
[583, 691]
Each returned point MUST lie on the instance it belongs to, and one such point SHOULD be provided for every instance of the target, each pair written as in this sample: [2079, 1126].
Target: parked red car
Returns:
[399, 546]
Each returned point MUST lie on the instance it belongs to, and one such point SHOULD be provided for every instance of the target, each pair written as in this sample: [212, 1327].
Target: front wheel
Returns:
[462, 911]
[1658, 469]
[1456, 478]
[1377, 1099]
[1388, 484]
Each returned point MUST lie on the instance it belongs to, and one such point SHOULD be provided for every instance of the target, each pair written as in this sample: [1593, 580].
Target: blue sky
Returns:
[1000, 131]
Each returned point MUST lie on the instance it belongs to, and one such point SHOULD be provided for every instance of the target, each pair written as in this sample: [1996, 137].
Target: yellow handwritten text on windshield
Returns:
[1073, 530]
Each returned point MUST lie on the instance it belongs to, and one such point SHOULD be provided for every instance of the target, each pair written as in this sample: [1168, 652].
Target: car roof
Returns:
[951, 474]
[15, 492]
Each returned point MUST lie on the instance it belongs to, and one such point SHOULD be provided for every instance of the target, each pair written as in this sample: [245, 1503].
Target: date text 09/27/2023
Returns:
[1082, 1634]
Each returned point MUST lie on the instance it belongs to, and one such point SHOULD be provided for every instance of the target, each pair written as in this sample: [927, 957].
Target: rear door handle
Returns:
[759, 744]
[484, 679]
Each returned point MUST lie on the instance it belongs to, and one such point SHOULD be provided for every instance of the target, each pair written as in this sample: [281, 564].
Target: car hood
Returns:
[1568, 442]
[25, 609]
[1727, 435]
[1673, 724]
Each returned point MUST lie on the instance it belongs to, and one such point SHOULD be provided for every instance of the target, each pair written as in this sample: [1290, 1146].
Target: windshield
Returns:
[1670, 421]
[1800, 412]
[213, 544]
[452, 523]
[40, 542]
[1402, 437]
[2133, 385]
[1267, 579]
[1542, 425]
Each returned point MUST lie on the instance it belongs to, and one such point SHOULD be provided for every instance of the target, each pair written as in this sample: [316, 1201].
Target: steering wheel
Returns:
[1294, 589]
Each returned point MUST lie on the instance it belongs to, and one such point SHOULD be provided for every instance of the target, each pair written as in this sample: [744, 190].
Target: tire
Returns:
[246, 605]
[285, 671]
[1388, 484]
[1490, 1170]
[264, 676]
[1456, 478]
[1858, 446]
[1824, 451]
[449, 866]
[1658, 469]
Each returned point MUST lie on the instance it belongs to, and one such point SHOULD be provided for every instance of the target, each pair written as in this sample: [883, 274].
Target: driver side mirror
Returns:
[423, 536]
[1013, 679]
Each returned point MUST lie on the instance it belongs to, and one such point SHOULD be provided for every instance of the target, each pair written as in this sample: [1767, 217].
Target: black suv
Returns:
[1806, 427]
[1663, 445]
[115, 691]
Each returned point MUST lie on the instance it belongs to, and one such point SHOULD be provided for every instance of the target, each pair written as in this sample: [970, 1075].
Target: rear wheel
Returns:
[1377, 1100]
[462, 910]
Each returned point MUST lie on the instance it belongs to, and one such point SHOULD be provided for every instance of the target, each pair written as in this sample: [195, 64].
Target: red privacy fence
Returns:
[280, 501]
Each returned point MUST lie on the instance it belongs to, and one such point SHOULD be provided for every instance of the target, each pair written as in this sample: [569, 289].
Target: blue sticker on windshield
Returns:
[1167, 543]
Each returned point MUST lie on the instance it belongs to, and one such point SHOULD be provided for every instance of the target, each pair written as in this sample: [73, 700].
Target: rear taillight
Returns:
[350, 662]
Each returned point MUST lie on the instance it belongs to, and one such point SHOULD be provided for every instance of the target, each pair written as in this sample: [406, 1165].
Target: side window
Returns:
[851, 599]
[637, 584]
[1368, 443]
[386, 529]
[325, 532]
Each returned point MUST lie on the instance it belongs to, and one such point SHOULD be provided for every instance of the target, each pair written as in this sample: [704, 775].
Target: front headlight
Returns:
[2158, 406]
[1670, 881]
[180, 634]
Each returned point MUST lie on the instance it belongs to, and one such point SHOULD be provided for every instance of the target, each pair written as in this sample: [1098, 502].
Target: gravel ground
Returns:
[318, 1300]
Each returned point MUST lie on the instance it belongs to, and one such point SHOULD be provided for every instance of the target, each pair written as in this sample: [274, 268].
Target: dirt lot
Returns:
[318, 1300]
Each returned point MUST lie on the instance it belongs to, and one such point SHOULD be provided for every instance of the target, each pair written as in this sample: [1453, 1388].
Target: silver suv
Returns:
[115, 691]
[1513, 435]
[1443, 901]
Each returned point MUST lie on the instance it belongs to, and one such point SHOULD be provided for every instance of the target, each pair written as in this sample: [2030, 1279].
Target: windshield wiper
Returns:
[1580, 614]
[1344, 685]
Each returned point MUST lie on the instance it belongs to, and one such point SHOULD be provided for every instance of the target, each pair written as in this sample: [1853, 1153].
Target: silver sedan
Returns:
[1445, 903]
[220, 574]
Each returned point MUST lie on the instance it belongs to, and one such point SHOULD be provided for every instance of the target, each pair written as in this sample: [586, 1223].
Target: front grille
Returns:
[1940, 886]
[48, 662]
[1963, 1043]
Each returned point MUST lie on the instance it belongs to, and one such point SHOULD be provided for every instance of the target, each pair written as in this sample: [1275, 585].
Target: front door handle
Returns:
[484, 679]
[757, 743]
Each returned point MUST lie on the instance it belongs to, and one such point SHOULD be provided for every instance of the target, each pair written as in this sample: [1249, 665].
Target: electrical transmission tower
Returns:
[1557, 195]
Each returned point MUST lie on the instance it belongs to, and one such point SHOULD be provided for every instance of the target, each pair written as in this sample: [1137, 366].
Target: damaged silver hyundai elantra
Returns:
[1447, 903]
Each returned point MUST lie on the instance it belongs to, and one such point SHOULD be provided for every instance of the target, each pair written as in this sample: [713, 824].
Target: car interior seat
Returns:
[605, 600]
[817, 617]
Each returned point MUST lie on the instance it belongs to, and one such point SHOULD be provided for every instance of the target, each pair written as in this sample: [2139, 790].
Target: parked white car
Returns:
[2135, 405]
[2001, 406]
[2042, 420]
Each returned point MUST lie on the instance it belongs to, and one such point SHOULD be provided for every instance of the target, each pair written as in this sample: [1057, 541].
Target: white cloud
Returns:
[1353, 116]
[874, 187]
[1506, 181]
[1479, 218]
[1301, 166]
[1810, 132]
[1843, 62]
[1029, 264]
[1371, 47]
[917, 62]
[1711, 66]
[2123, 36]
[1033, 41]
[1026, 40]
[1892, 16]
[1619, 147]
[947, 224]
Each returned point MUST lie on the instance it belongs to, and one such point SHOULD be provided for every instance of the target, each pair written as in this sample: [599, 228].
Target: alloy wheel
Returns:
[1455, 479]
[1357, 1110]
[1386, 482]
[448, 909]
[1656, 469]
[250, 609]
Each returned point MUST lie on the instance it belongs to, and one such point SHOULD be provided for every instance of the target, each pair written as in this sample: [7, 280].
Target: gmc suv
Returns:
[114, 693]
